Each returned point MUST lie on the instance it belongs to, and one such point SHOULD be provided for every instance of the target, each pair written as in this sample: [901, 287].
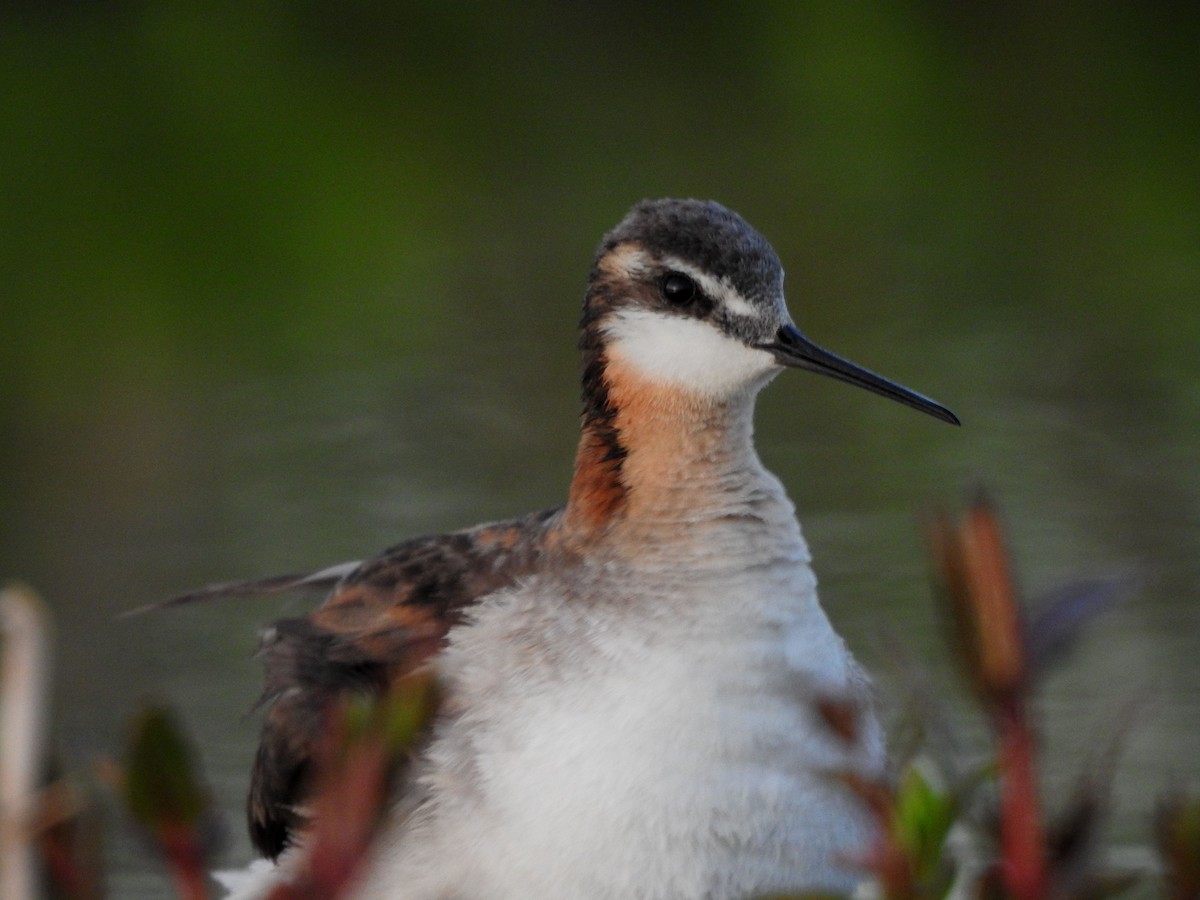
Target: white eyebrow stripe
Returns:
[720, 290]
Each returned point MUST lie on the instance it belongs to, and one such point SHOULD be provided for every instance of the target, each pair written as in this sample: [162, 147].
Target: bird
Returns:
[631, 681]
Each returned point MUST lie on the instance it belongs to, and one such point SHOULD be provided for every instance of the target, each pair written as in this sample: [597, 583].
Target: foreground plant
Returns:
[992, 645]
[365, 744]
[1177, 828]
[166, 796]
[1020, 852]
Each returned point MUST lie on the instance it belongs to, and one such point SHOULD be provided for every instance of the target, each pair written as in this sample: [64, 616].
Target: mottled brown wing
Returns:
[383, 620]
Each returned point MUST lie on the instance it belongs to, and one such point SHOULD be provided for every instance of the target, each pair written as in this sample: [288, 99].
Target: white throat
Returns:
[687, 354]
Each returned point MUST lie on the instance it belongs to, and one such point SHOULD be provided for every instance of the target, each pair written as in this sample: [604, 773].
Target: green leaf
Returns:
[923, 819]
[162, 786]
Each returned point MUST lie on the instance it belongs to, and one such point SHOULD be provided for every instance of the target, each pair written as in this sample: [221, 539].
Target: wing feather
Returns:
[385, 618]
[274, 584]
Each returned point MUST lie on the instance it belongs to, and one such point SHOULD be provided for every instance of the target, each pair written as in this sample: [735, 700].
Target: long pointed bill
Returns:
[793, 349]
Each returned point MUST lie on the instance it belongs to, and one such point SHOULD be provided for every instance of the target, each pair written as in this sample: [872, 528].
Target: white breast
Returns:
[660, 746]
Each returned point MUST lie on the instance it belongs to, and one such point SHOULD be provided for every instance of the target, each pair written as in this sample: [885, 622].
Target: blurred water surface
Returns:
[283, 286]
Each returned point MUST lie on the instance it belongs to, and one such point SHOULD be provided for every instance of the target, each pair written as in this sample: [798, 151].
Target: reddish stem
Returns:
[1021, 834]
[185, 860]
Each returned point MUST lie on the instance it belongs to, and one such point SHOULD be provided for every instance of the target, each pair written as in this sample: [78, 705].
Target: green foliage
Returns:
[397, 718]
[179, 183]
[162, 785]
[165, 795]
[922, 822]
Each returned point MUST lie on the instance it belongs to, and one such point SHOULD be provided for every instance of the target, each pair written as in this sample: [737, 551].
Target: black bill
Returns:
[791, 348]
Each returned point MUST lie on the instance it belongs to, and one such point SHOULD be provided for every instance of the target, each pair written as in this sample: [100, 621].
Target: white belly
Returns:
[664, 748]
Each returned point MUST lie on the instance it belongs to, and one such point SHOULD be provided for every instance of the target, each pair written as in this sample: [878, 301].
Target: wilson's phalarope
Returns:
[632, 678]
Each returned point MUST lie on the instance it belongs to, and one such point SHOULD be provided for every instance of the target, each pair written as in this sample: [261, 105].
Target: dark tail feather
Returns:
[275, 584]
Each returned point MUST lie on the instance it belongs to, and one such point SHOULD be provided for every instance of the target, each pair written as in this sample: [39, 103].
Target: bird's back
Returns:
[384, 619]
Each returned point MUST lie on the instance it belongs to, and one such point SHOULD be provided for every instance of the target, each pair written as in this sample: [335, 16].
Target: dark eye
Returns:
[678, 289]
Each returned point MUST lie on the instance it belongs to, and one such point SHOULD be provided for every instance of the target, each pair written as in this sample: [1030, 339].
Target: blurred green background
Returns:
[284, 282]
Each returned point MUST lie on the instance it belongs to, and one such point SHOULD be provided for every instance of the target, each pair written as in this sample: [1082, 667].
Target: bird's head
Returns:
[687, 296]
